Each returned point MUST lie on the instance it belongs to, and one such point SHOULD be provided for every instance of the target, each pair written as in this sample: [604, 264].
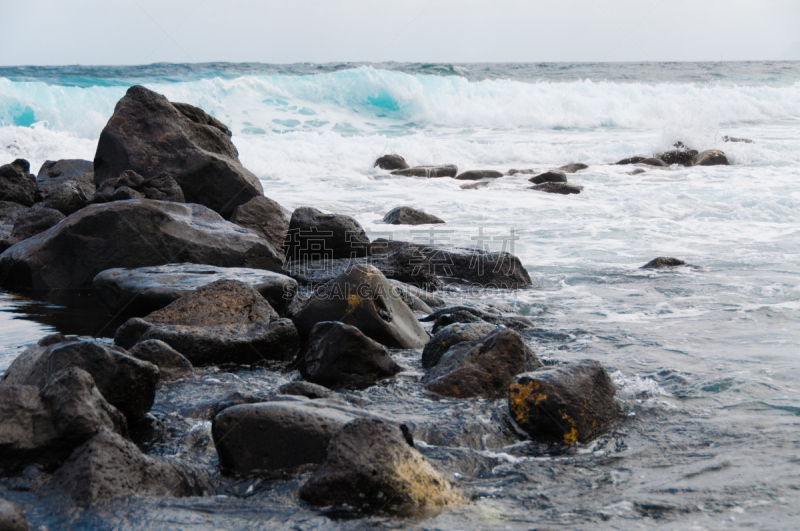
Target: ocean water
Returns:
[706, 357]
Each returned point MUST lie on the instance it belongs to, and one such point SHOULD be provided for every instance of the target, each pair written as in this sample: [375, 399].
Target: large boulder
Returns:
[76, 171]
[266, 218]
[271, 438]
[371, 466]
[12, 517]
[391, 162]
[711, 157]
[108, 466]
[405, 215]
[477, 175]
[44, 426]
[223, 322]
[451, 335]
[362, 297]
[483, 368]
[137, 292]
[151, 136]
[17, 185]
[313, 235]
[339, 355]
[130, 234]
[447, 170]
[126, 383]
[565, 404]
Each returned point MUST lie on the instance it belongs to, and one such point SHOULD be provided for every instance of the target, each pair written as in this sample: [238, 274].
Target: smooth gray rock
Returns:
[447, 170]
[137, 292]
[313, 235]
[151, 136]
[266, 218]
[549, 177]
[405, 215]
[574, 167]
[417, 298]
[477, 175]
[17, 185]
[558, 188]
[451, 335]
[391, 162]
[130, 234]
[712, 157]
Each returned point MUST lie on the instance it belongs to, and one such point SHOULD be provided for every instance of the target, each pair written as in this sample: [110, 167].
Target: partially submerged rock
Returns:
[631, 160]
[549, 177]
[266, 218]
[451, 335]
[108, 466]
[566, 404]
[477, 175]
[483, 368]
[405, 215]
[313, 235]
[574, 167]
[391, 162]
[151, 136]
[447, 170]
[727, 138]
[17, 185]
[139, 291]
[558, 188]
[126, 383]
[171, 363]
[663, 261]
[339, 355]
[711, 157]
[371, 466]
[362, 297]
[469, 314]
[130, 234]
[677, 156]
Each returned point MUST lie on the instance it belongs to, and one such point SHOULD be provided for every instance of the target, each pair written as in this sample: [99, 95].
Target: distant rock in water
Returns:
[477, 175]
[653, 161]
[558, 188]
[677, 156]
[391, 162]
[448, 170]
[574, 167]
[475, 186]
[405, 215]
[631, 160]
[523, 172]
[549, 177]
[150, 135]
[712, 157]
[734, 139]
[637, 171]
[660, 262]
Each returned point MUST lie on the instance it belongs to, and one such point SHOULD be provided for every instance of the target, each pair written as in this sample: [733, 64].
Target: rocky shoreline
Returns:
[175, 237]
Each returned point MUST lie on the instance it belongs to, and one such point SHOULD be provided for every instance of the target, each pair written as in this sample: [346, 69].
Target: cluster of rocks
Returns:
[685, 156]
[168, 229]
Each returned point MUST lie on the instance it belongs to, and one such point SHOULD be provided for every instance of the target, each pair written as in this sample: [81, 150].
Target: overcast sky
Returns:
[53, 32]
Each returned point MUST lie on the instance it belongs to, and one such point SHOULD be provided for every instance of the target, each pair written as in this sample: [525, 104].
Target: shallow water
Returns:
[705, 357]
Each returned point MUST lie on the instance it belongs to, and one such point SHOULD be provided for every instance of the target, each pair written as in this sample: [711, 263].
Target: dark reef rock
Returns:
[447, 170]
[17, 185]
[371, 466]
[566, 404]
[130, 234]
[405, 215]
[574, 167]
[391, 162]
[151, 136]
[364, 298]
[677, 156]
[477, 175]
[266, 218]
[663, 261]
[712, 157]
[313, 235]
[451, 335]
[558, 188]
[482, 368]
[549, 177]
[126, 383]
[631, 160]
[137, 292]
[340, 355]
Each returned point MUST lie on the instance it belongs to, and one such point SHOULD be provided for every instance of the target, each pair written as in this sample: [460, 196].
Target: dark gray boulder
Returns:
[653, 161]
[75, 171]
[405, 215]
[17, 185]
[549, 177]
[137, 292]
[712, 157]
[574, 167]
[565, 404]
[171, 363]
[371, 466]
[339, 355]
[313, 235]
[151, 136]
[363, 298]
[108, 466]
[130, 234]
[482, 368]
[275, 438]
[12, 517]
[266, 218]
[306, 389]
[677, 156]
[67, 198]
[451, 335]
[391, 162]
[631, 160]
[558, 188]
[43, 426]
[662, 262]
[528, 171]
[447, 170]
[126, 383]
[477, 175]
[36, 220]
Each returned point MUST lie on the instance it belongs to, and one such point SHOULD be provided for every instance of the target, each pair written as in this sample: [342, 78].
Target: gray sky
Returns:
[146, 31]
